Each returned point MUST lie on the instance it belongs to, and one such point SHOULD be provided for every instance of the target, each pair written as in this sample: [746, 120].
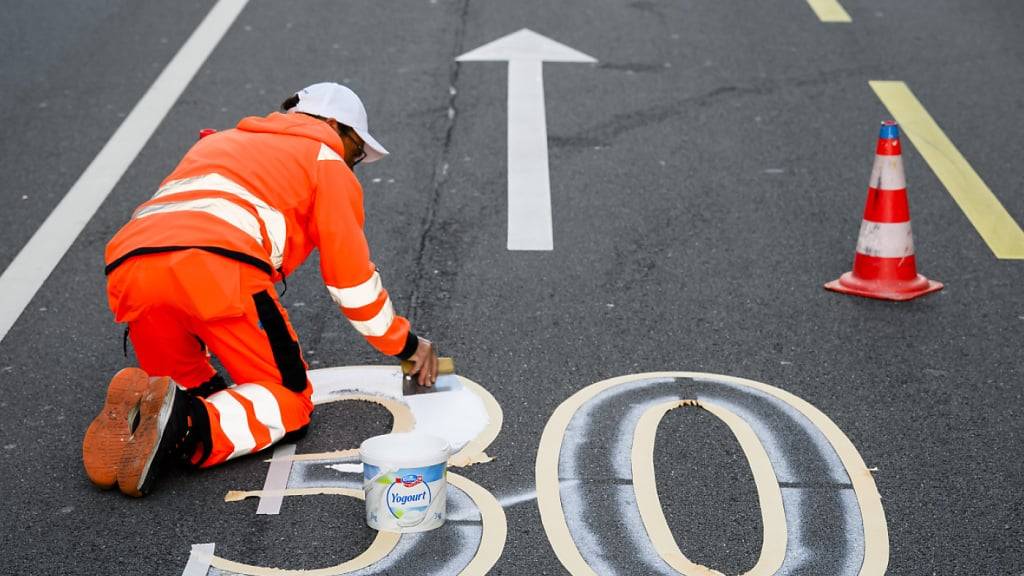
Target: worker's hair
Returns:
[290, 103]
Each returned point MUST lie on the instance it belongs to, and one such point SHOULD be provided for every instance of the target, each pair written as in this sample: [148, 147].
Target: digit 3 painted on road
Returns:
[478, 535]
[820, 509]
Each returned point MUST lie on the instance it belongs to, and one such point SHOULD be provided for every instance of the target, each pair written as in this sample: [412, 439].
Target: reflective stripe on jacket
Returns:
[267, 193]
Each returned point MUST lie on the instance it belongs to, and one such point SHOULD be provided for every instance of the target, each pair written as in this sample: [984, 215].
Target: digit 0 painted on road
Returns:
[478, 539]
[820, 509]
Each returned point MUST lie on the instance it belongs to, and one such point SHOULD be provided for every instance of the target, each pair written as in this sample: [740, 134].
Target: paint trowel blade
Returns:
[446, 379]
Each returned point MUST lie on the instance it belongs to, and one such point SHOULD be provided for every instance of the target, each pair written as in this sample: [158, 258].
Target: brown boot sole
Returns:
[140, 450]
[108, 433]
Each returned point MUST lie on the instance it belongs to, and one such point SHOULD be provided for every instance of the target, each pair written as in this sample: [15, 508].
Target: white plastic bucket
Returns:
[405, 481]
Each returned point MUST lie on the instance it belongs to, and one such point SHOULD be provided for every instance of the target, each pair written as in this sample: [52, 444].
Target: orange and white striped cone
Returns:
[884, 266]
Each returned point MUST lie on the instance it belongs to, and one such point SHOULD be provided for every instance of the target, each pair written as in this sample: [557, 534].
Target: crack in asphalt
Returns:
[605, 132]
[441, 167]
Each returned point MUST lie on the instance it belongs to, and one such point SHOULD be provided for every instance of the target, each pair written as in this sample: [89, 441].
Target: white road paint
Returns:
[37, 259]
[351, 467]
[767, 437]
[625, 496]
[578, 429]
[529, 188]
[505, 502]
[799, 550]
[576, 509]
[509, 501]
[457, 415]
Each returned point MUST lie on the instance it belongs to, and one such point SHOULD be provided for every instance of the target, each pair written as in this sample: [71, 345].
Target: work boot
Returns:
[164, 433]
[109, 432]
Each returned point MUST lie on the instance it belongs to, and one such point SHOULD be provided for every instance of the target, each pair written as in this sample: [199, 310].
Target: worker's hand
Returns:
[424, 362]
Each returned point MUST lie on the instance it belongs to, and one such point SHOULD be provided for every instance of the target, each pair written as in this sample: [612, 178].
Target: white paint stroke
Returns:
[504, 502]
[529, 184]
[38, 258]
[622, 449]
[509, 501]
[578, 428]
[625, 497]
[825, 450]
[629, 513]
[799, 551]
[349, 467]
[458, 414]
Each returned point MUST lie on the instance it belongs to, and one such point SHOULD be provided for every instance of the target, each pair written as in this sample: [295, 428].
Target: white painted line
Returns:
[199, 560]
[347, 467]
[277, 479]
[508, 501]
[529, 183]
[37, 259]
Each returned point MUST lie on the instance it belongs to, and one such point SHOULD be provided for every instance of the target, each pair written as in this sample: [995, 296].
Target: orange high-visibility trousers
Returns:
[180, 304]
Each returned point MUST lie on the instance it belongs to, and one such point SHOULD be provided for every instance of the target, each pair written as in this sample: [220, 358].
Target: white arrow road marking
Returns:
[37, 259]
[529, 186]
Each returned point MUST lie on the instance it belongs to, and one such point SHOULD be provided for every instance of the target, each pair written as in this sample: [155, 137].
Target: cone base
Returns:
[884, 290]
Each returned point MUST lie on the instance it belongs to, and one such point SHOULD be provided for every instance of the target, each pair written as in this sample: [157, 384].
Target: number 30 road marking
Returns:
[785, 483]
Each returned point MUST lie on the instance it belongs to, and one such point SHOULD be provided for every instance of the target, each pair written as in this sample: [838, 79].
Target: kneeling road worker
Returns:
[193, 272]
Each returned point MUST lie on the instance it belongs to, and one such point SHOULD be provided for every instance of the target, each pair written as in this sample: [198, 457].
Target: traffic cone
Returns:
[884, 266]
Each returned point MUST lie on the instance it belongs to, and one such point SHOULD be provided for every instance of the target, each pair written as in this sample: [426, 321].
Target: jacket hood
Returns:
[294, 125]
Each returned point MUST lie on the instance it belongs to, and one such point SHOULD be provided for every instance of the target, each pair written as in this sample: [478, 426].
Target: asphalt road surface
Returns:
[707, 176]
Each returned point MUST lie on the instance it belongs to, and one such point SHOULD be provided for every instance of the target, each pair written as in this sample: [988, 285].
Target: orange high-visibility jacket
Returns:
[266, 193]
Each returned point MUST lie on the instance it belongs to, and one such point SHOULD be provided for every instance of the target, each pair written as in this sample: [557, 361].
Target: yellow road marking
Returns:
[995, 225]
[773, 516]
[829, 11]
[549, 501]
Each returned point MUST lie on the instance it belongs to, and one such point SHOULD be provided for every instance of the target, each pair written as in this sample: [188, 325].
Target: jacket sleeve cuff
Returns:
[411, 343]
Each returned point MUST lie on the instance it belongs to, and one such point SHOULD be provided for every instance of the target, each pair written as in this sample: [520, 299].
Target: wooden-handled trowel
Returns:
[446, 378]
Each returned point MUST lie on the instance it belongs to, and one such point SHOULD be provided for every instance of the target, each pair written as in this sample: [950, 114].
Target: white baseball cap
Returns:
[331, 100]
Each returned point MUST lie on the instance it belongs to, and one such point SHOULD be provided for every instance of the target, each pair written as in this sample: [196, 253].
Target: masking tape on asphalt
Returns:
[495, 526]
[199, 560]
[335, 455]
[773, 517]
[277, 479]
[876, 534]
[239, 495]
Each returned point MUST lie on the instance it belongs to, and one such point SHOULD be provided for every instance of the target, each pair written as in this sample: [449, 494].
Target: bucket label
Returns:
[407, 499]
